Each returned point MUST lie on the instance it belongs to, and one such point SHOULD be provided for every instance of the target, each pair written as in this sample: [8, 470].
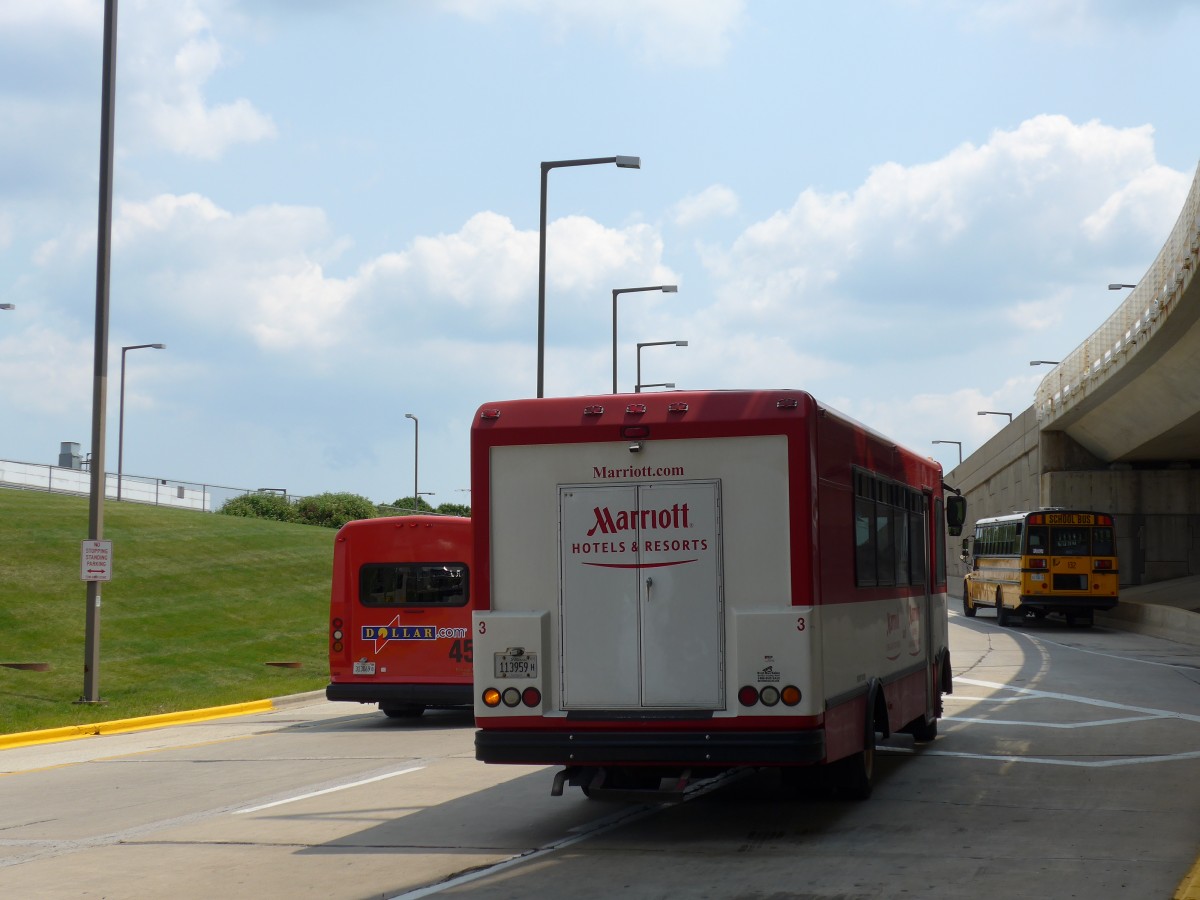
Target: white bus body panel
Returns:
[668, 660]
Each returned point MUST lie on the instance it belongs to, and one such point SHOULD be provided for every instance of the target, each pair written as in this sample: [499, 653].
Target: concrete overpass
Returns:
[1116, 424]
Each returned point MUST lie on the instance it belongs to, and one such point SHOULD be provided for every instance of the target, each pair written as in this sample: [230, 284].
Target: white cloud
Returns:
[712, 202]
[169, 54]
[683, 32]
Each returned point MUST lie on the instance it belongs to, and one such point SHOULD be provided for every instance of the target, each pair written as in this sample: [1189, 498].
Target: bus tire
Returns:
[402, 710]
[1083, 619]
[922, 731]
[969, 607]
[1002, 616]
[855, 773]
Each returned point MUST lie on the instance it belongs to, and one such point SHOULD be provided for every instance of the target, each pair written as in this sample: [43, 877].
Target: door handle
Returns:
[649, 584]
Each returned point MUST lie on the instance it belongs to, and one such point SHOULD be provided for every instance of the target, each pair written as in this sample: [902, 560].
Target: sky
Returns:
[328, 210]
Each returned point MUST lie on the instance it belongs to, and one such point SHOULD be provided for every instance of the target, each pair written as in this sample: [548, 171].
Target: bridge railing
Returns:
[1154, 298]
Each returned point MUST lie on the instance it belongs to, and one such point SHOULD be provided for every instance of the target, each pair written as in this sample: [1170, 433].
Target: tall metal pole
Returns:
[91, 661]
[622, 162]
[121, 417]
[416, 460]
[121, 428]
[665, 288]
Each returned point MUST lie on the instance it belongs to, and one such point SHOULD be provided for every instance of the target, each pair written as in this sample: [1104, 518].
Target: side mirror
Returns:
[956, 514]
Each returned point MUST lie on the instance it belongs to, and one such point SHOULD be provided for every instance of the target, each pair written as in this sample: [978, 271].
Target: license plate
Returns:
[516, 666]
[1038, 577]
[362, 667]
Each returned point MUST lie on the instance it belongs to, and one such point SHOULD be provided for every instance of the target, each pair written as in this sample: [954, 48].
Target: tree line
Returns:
[330, 510]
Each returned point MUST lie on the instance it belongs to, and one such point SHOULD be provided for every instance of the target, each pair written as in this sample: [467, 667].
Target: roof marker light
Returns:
[677, 407]
[595, 410]
[635, 409]
[490, 413]
[787, 403]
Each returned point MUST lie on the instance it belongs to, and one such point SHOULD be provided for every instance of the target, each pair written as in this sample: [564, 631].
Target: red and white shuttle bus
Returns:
[400, 614]
[673, 584]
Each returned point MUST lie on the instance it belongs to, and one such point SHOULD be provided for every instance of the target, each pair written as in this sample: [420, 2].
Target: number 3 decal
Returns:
[483, 627]
[801, 624]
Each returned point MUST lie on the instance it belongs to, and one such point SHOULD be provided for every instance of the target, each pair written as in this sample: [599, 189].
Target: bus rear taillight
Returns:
[512, 697]
[337, 635]
[1038, 562]
[1103, 565]
[769, 696]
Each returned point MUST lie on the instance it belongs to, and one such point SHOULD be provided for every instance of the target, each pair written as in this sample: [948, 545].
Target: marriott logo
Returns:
[675, 516]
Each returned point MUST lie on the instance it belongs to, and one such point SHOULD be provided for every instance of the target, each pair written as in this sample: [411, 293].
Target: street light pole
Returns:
[992, 412]
[637, 388]
[622, 162]
[1043, 362]
[416, 459]
[121, 416]
[956, 443]
[665, 288]
[108, 91]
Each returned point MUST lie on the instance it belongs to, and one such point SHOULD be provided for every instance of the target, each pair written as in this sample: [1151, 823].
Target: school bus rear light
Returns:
[1037, 563]
[1103, 565]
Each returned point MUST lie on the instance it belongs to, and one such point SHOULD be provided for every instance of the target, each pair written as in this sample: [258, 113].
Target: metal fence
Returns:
[134, 488]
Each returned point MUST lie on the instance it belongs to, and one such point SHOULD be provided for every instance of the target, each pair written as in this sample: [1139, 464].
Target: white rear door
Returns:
[641, 606]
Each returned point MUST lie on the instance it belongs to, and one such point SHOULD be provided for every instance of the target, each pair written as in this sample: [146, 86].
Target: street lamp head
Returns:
[681, 343]
[1117, 287]
[628, 162]
[670, 289]
[159, 346]
[410, 416]
[1043, 362]
[7, 306]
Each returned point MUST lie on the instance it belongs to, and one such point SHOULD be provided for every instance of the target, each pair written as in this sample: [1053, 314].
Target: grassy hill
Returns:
[197, 607]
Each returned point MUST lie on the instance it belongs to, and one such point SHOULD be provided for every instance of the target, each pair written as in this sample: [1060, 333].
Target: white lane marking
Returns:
[1133, 659]
[340, 787]
[579, 833]
[1080, 763]
[1088, 701]
[1092, 724]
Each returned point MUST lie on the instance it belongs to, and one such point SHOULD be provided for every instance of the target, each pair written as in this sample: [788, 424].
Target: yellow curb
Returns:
[122, 726]
[1189, 888]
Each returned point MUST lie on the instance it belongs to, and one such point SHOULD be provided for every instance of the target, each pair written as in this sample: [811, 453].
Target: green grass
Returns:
[197, 606]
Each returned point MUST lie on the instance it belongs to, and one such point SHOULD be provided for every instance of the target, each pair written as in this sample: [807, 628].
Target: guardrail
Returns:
[134, 488]
[1154, 298]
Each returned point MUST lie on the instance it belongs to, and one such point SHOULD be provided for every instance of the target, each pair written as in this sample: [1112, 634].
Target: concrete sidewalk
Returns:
[1166, 609]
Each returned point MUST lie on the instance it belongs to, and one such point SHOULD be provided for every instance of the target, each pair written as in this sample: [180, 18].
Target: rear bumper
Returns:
[1067, 604]
[711, 748]
[437, 695]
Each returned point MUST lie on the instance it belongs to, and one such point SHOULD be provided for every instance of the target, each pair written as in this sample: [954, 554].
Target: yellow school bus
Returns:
[1049, 561]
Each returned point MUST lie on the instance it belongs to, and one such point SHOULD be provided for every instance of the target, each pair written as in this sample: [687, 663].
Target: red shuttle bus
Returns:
[400, 614]
[674, 584]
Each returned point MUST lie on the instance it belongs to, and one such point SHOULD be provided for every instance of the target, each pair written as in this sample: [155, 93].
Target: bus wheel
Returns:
[1002, 617]
[923, 732]
[1083, 619]
[969, 607]
[856, 772]
[402, 710]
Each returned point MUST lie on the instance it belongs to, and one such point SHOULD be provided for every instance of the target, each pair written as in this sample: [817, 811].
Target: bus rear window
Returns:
[1070, 541]
[1102, 542]
[413, 584]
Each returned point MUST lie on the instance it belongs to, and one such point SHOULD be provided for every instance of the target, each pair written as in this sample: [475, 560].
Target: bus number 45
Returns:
[461, 651]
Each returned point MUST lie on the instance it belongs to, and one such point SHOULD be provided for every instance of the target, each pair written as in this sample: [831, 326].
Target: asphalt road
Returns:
[1068, 766]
